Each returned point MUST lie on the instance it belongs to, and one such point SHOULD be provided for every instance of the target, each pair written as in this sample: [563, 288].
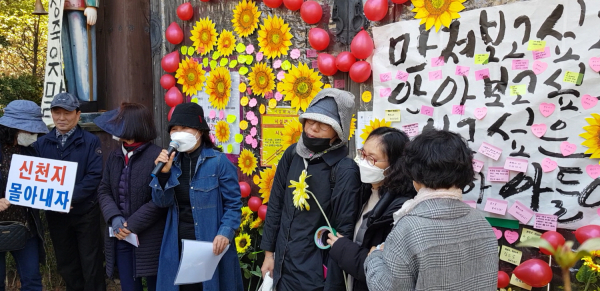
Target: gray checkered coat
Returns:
[442, 244]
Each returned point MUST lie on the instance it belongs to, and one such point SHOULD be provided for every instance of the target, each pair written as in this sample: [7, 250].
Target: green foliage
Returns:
[586, 274]
[23, 87]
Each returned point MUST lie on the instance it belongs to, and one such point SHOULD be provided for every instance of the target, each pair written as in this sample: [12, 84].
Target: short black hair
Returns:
[439, 159]
[8, 135]
[207, 141]
[138, 123]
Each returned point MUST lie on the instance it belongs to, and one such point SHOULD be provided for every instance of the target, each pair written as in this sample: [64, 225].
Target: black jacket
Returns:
[289, 232]
[351, 256]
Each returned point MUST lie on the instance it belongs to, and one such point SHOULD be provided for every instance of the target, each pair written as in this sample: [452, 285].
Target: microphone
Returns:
[173, 146]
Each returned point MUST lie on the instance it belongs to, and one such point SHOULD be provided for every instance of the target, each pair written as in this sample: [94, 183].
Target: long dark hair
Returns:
[207, 141]
[137, 121]
[8, 135]
[392, 142]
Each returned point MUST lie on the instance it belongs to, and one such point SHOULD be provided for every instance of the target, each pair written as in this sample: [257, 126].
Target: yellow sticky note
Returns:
[190, 51]
[216, 55]
[194, 100]
[243, 125]
[249, 59]
[244, 101]
[256, 179]
[535, 45]
[241, 59]
[272, 103]
[517, 282]
[240, 48]
[510, 255]
[243, 88]
[572, 77]
[232, 64]
[243, 70]
[393, 115]
[280, 86]
[529, 234]
[261, 109]
[213, 64]
[326, 86]
[239, 138]
[482, 59]
[205, 62]
[224, 62]
[184, 50]
[366, 96]
[229, 148]
[286, 65]
[518, 90]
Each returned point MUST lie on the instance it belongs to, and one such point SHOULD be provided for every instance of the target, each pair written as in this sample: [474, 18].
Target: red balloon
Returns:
[360, 71]
[174, 34]
[318, 38]
[185, 11]
[245, 189]
[311, 12]
[326, 63]
[554, 238]
[254, 203]
[273, 3]
[586, 232]
[534, 272]
[362, 45]
[205, 0]
[399, 1]
[293, 4]
[167, 81]
[375, 10]
[170, 62]
[173, 97]
[503, 279]
[170, 113]
[262, 212]
[344, 61]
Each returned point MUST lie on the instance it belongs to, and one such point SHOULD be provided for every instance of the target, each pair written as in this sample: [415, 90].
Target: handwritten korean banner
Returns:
[53, 75]
[524, 78]
[41, 183]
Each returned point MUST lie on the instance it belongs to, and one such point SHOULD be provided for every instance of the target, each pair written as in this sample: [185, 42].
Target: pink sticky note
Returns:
[311, 53]
[277, 64]
[254, 121]
[548, 165]
[462, 71]
[249, 49]
[253, 131]
[542, 54]
[539, 67]
[482, 74]
[458, 109]
[477, 165]
[497, 232]
[248, 139]
[547, 109]
[250, 115]
[511, 236]
[496, 206]
[517, 165]
[385, 77]
[254, 143]
[411, 129]
[259, 56]
[593, 171]
[471, 203]
[252, 102]
[435, 75]
[249, 91]
[269, 95]
[567, 148]
[490, 151]
[520, 64]
[498, 174]
[281, 75]
[521, 212]
[588, 101]
[212, 114]
[278, 96]
[385, 92]
[595, 64]
[437, 62]
[402, 75]
[480, 112]
[539, 129]
[427, 110]
[221, 114]
[545, 221]
[340, 84]
[314, 64]
[295, 54]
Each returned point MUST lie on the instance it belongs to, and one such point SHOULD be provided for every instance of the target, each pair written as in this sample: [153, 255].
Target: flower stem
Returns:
[588, 282]
[566, 274]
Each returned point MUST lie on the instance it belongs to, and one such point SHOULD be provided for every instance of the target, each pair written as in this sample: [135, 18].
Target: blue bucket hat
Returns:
[24, 115]
[109, 123]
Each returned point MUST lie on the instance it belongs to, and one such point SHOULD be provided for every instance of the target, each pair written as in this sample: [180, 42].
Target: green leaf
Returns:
[247, 274]
[589, 245]
[251, 256]
[260, 231]
[585, 273]
[537, 243]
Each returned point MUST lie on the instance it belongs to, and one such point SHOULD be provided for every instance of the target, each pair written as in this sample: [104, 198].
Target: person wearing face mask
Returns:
[199, 186]
[291, 256]
[19, 126]
[385, 188]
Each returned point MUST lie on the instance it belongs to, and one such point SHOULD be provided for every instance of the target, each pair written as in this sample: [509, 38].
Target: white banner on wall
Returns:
[517, 82]
[53, 75]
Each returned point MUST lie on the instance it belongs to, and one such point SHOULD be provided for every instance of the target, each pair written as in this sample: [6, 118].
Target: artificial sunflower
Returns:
[245, 18]
[301, 191]
[242, 243]
[353, 126]
[256, 223]
[246, 216]
[592, 136]
[374, 124]
[593, 261]
[291, 133]
[437, 12]
[261, 79]
[247, 162]
[222, 131]
[266, 182]
[204, 36]
[301, 85]
[218, 87]
[274, 37]
[226, 43]
[191, 76]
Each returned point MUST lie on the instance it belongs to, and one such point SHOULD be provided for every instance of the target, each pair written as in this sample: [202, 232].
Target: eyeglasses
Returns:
[322, 126]
[370, 160]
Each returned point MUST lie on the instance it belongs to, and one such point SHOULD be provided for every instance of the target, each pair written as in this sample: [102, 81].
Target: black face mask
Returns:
[315, 144]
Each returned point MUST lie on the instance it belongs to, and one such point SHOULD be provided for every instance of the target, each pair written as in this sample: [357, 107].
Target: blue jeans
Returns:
[28, 266]
[125, 257]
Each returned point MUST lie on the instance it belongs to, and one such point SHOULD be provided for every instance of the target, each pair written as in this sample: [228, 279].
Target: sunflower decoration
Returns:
[291, 133]
[593, 261]
[204, 36]
[374, 124]
[266, 182]
[222, 131]
[353, 126]
[246, 216]
[247, 162]
[226, 43]
[258, 222]
[191, 76]
[218, 87]
[301, 85]
[242, 243]
[437, 12]
[245, 18]
[301, 191]
[592, 136]
[274, 37]
[262, 79]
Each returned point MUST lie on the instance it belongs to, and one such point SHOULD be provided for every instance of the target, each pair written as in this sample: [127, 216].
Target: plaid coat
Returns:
[442, 244]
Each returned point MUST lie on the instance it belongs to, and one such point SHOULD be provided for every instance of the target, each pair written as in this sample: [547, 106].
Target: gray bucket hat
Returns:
[24, 115]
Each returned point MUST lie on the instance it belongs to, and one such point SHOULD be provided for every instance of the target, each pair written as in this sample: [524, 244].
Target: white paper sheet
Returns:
[132, 238]
[198, 263]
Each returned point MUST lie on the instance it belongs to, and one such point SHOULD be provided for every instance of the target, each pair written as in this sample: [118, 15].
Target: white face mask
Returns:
[26, 139]
[370, 174]
[186, 140]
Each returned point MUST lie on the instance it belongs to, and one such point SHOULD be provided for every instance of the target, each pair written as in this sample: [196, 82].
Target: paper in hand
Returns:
[132, 238]
[198, 262]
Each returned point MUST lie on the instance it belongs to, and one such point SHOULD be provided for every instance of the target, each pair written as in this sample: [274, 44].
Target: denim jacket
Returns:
[216, 207]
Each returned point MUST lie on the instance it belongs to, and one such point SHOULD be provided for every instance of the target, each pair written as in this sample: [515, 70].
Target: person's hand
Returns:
[268, 264]
[332, 238]
[4, 204]
[91, 14]
[124, 232]
[117, 223]
[219, 244]
[379, 248]
[164, 157]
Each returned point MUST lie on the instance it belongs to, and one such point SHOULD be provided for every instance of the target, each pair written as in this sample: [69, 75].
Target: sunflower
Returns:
[247, 162]
[256, 223]
[242, 243]
[204, 36]
[191, 76]
[291, 133]
[437, 12]
[261, 79]
[301, 191]
[353, 126]
[592, 136]
[245, 18]
[218, 87]
[246, 216]
[593, 261]
[222, 131]
[266, 182]
[274, 37]
[374, 124]
[300, 85]
[226, 43]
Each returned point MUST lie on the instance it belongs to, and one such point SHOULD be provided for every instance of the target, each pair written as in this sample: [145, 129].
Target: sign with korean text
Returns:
[276, 138]
[53, 74]
[41, 183]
